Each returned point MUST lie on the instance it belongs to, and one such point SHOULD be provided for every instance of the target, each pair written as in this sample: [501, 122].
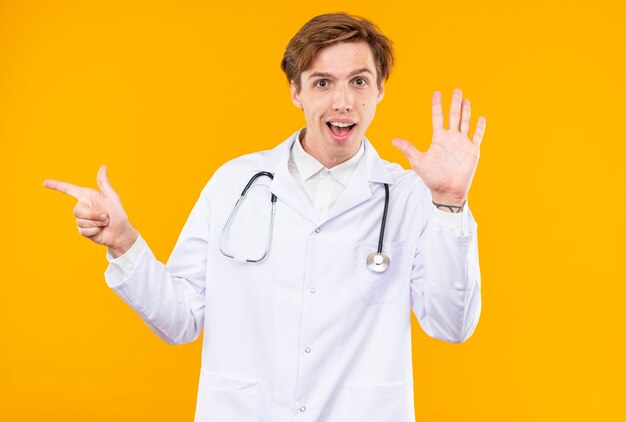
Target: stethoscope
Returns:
[376, 261]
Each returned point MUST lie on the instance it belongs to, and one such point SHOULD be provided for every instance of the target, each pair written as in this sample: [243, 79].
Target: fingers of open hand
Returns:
[455, 109]
[437, 112]
[466, 112]
[460, 115]
[407, 149]
[480, 130]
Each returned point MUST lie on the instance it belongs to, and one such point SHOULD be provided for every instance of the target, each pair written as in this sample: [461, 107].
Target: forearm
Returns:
[170, 299]
[170, 306]
[446, 282]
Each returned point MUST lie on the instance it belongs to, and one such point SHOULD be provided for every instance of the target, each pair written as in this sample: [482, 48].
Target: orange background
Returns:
[163, 92]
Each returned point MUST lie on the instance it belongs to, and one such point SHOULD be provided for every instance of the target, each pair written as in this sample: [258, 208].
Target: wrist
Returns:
[448, 203]
[125, 243]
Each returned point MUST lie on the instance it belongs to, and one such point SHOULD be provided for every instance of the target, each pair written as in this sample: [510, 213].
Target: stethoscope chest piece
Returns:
[377, 262]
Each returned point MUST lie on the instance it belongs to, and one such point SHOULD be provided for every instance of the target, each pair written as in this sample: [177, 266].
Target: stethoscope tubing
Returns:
[381, 236]
[234, 211]
[251, 181]
[377, 262]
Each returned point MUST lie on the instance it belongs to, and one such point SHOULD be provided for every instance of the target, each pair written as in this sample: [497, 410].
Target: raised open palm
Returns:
[448, 167]
[100, 215]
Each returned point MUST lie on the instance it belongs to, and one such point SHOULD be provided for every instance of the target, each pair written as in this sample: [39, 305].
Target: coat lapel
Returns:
[284, 186]
[370, 170]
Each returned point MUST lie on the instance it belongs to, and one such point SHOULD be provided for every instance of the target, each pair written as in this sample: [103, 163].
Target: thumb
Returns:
[408, 149]
[104, 184]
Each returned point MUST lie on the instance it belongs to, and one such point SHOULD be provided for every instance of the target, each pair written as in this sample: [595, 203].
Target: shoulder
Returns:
[235, 173]
[248, 164]
[242, 164]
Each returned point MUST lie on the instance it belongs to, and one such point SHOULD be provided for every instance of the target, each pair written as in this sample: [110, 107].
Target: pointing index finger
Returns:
[64, 187]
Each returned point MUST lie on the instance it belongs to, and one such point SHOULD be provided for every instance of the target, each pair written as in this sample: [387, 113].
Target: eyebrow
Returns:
[351, 74]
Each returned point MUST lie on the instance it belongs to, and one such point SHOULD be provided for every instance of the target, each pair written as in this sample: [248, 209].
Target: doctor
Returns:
[313, 331]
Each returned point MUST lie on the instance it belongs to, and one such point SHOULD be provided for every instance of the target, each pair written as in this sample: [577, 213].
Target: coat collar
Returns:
[308, 165]
[371, 169]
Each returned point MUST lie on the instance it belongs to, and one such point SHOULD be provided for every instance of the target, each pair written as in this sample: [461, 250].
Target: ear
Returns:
[381, 92]
[295, 95]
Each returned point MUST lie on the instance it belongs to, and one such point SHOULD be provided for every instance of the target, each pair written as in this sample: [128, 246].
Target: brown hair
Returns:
[325, 30]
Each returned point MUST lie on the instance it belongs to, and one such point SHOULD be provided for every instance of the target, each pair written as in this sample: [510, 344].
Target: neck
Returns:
[326, 159]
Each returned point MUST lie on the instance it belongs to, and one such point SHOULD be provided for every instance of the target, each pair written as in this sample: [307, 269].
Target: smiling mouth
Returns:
[340, 130]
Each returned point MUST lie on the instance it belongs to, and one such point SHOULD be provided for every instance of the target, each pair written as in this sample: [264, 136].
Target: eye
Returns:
[360, 81]
[322, 83]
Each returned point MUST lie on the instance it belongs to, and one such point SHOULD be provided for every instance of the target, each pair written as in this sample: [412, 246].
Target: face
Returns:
[338, 95]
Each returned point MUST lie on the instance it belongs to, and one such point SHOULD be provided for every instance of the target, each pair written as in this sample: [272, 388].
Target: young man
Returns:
[304, 289]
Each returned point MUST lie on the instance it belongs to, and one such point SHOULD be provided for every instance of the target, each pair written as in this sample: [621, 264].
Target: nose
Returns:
[342, 99]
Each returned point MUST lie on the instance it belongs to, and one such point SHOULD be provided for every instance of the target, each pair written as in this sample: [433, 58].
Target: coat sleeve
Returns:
[445, 280]
[170, 298]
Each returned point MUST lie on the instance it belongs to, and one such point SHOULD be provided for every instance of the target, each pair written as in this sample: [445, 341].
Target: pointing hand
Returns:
[99, 214]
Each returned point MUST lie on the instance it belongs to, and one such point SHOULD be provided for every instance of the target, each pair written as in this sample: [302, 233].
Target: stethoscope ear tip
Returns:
[377, 262]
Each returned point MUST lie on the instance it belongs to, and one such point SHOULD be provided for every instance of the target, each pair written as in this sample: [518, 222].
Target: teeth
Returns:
[339, 124]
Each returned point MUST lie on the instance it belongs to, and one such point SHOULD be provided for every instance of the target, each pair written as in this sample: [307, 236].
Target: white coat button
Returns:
[303, 409]
[312, 290]
[308, 350]
[317, 230]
